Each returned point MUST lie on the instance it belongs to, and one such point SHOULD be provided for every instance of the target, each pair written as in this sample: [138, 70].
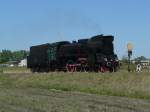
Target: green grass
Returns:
[73, 92]
[42, 100]
[114, 84]
[14, 70]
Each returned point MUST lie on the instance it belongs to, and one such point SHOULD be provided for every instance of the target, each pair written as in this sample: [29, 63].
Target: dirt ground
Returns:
[41, 100]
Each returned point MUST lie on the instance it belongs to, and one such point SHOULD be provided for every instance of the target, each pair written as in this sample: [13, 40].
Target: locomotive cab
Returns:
[93, 54]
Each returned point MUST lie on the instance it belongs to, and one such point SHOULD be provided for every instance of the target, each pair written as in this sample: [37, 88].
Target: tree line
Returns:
[137, 59]
[8, 55]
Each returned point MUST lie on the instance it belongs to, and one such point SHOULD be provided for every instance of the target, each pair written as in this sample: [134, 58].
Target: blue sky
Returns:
[24, 23]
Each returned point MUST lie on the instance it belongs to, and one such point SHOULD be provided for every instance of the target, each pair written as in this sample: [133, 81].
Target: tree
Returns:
[7, 55]
[125, 59]
[140, 58]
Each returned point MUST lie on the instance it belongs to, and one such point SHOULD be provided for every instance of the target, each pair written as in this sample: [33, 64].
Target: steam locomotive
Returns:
[93, 54]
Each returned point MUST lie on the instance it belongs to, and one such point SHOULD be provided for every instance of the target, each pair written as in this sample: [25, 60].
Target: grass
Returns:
[42, 100]
[14, 70]
[73, 92]
[115, 84]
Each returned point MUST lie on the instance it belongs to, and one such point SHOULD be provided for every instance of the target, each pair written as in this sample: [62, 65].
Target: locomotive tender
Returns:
[93, 54]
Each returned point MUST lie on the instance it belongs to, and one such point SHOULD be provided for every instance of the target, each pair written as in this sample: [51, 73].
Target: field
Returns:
[22, 91]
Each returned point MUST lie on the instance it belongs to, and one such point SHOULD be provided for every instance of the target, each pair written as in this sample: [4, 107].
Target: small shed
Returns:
[22, 63]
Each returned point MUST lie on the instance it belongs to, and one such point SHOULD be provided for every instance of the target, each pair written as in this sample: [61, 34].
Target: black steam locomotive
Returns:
[94, 54]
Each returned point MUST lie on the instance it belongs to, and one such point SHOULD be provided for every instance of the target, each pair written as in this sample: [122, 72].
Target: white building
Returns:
[142, 62]
[145, 62]
[23, 63]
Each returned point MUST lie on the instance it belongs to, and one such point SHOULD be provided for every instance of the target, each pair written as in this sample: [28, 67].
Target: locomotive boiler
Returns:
[93, 54]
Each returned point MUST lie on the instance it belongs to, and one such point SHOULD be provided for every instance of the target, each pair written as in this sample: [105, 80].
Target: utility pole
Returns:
[130, 48]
